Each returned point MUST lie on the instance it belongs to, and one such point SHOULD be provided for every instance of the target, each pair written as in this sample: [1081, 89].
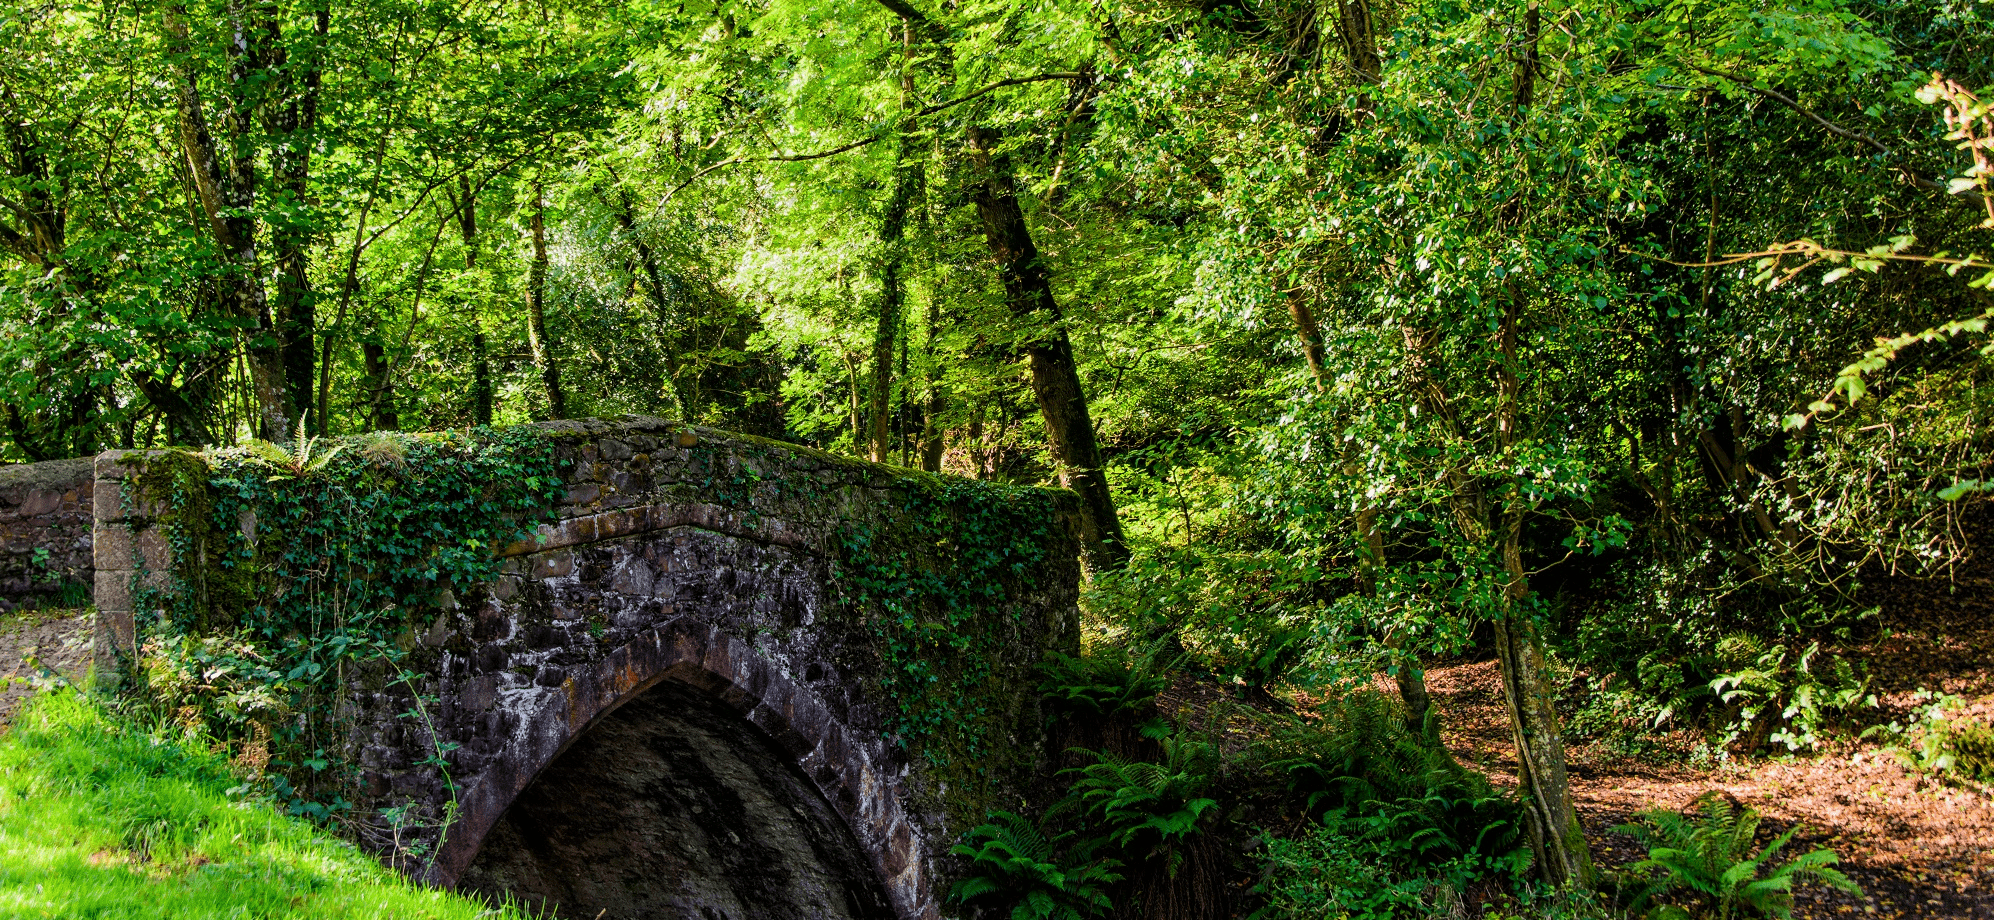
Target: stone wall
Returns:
[45, 547]
[684, 555]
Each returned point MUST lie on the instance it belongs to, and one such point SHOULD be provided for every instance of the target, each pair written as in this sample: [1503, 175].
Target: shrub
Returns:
[1361, 763]
[1705, 858]
[1150, 810]
[1950, 746]
[1043, 878]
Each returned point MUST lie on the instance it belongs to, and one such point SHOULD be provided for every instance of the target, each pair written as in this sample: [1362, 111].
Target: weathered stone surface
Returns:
[683, 562]
[672, 807]
[45, 524]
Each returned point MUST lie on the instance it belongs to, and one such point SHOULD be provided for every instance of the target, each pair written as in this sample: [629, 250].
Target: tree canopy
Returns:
[1365, 329]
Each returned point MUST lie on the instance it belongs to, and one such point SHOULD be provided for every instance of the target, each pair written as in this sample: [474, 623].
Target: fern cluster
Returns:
[1150, 810]
[1361, 767]
[1048, 878]
[1106, 681]
[1704, 863]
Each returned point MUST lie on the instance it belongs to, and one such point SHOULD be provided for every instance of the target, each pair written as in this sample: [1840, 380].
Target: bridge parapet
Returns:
[45, 550]
[827, 602]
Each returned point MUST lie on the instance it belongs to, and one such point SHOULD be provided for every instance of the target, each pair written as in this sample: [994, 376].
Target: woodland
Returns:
[1634, 347]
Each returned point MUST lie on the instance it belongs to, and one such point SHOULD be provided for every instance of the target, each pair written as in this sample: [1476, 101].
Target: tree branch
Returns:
[873, 138]
[1897, 162]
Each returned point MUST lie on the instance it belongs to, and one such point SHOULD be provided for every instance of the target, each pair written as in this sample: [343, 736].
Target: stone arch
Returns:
[853, 776]
[677, 554]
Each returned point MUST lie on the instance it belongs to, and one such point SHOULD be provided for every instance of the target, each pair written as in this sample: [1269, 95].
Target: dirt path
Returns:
[35, 644]
[1918, 848]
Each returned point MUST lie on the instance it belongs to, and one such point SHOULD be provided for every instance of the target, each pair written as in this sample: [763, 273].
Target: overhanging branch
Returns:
[1897, 162]
[868, 140]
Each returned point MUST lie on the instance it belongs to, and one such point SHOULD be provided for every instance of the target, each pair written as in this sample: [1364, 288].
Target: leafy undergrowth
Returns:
[100, 818]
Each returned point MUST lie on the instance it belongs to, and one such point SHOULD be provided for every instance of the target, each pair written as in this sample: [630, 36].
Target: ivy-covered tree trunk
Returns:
[1055, 377]
[536, 308]
[908, 176]
[932, 441]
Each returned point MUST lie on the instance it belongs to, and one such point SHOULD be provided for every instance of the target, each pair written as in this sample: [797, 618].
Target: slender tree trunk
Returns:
[654, 275]
[536, 308]
[907, 178]
[1055, 376]
[292, 121]
[857, 396]
[1556, 836]
[1310, 333]
[226, 193]
[481, 364]
[1555, 833]
[880, 408]
[932, 441]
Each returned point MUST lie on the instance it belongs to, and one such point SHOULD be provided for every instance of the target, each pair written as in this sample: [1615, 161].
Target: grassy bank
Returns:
[99, 818]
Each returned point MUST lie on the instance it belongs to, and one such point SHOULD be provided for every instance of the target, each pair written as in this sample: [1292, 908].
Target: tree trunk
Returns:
[885, 334]
[1360, 38]
[907, 178]
[536, 309]
[1556, 837]
[226, 198]
[481, 363]
[654, 275]
[291, 120]
[1310, 333]
[932, 441]
[857, 396]
[1055, 377]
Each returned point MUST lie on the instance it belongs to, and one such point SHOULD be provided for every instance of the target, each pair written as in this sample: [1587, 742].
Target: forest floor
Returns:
[1918, 847]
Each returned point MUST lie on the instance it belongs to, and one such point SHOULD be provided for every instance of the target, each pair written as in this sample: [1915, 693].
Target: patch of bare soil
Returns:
[35, 646]
[1918, 847]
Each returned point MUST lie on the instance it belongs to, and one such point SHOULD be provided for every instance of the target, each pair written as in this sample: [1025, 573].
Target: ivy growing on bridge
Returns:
[294, 562]
[358, 539]
[940, 571]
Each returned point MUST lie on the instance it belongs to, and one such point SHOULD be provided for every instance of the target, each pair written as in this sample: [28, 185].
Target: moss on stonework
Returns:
[937, 575]
[353, 542]
[290, 564]
[173, 488]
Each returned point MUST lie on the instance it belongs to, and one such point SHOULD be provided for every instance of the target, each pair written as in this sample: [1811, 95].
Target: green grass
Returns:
[99, 818]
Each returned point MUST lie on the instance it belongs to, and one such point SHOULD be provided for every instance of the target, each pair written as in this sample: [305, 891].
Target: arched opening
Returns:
[674, 806]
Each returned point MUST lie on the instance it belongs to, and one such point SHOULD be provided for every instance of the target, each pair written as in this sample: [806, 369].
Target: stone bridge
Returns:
[669, 702]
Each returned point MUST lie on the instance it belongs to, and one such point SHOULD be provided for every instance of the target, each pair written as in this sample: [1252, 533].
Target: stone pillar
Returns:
[130, 555]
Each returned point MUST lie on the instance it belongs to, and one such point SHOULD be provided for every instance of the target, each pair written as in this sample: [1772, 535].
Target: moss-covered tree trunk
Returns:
[1055, 377]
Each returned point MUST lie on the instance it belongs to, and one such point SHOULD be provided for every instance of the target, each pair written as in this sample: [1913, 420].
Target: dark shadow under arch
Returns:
[674, 806]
